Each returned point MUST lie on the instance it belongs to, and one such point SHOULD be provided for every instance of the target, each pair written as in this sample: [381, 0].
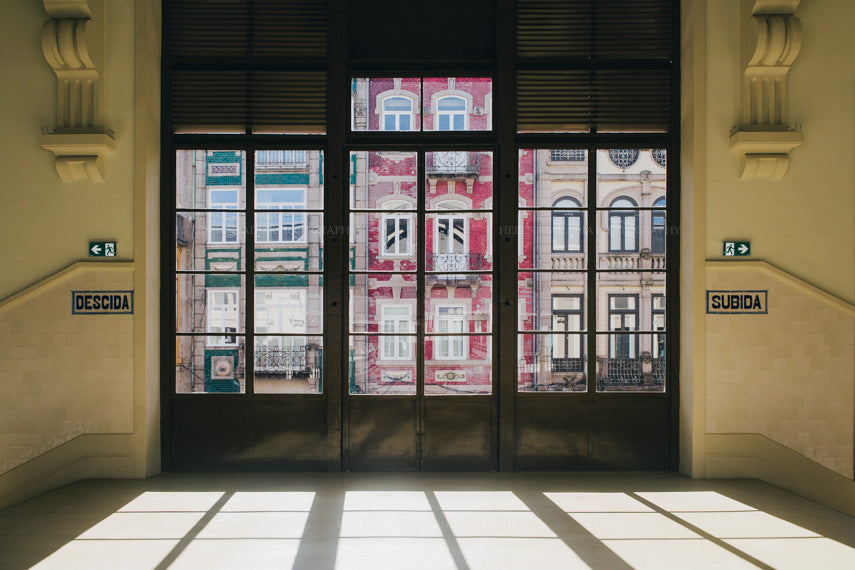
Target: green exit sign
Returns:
[736, 248]
[102, 249]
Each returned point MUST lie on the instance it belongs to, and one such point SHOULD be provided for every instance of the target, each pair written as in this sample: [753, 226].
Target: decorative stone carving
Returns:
[80, 142]
[764, 138]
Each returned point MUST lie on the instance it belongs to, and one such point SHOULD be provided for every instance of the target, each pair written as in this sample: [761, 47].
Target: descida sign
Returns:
[102, 302]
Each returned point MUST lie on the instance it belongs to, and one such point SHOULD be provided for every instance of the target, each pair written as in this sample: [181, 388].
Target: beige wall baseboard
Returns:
[755, 456]
[84, 457]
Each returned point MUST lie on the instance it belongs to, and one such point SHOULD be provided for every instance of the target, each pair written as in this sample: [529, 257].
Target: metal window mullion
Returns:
[591, 301]
[249, 303]
[421, 320]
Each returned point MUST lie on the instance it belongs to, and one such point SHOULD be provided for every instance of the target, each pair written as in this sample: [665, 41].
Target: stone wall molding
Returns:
[764, 138]
[80, 142]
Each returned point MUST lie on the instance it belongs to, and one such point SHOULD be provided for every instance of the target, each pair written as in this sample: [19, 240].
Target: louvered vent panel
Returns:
[289, 102]
[553, 28]
[632, 29]
[213, 28]
[210, 101]
[553, 101]
[289, 28]
[632, 101]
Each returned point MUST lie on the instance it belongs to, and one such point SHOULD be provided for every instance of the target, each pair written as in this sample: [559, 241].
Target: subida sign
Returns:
[737, 302]
[102, 302]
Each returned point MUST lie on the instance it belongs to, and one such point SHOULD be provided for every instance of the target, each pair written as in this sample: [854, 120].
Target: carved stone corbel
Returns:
[764, 138]
[80, 142]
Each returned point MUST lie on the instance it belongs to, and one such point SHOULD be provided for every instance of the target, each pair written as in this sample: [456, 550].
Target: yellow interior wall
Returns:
[802, 224]
[778, 389]
[46, 224]
[80, 394]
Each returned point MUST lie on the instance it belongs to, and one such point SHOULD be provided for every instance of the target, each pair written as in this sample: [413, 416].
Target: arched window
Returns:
[623, 226]
[657, 230]
[397, 114]
[567, 226]
[451, 114]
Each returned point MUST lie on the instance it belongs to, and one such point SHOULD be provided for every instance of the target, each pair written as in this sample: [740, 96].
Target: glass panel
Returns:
[457, 365]
[545, 182]
[371, 294]
[465, 306]
[459, 180]
[458, 242]
[635, 239]
[551, 363]
[289, 179]
[458, 103]
[210, 241]
[383, 241]
[288, 364]
[383, 180]
[202, 368]
[385, 104]
[288, 304]
[211, 303]
[631, 301]
[288, 241]
[214, 179]
[371, 372]
[633, 176]
[551, 301]
[631, 362]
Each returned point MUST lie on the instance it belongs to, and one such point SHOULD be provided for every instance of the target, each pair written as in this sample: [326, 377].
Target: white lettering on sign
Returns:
[224, 169]
[737, 302]
[102, 302]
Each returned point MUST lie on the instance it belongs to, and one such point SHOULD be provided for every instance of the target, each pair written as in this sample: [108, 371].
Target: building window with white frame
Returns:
[280, 311]
[451, 114]
[397, 114]
[223, 316]
[397, 231]
[623, 226]
[397, 319]
[286, 226]
[223, 226]
[450, 319]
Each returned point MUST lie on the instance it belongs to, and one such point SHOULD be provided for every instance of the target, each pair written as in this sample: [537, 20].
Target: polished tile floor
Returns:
[413, 521]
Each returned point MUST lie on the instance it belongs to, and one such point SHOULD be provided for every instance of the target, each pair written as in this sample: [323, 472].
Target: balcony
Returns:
[568, 261]
[281, 160]
[452, 164]
[293, 362]
[630, 261]
[452, 263]
[629, 374]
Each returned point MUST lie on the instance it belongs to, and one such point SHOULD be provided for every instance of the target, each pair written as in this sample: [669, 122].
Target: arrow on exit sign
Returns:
[736, 248]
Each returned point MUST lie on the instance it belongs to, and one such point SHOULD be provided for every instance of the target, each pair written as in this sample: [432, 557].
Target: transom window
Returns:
[659, 156]
[623, 157]
[567, 154]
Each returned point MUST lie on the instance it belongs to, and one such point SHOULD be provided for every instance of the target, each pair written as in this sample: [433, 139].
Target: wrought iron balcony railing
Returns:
[454, 262]
[452, 164]
[293, 361]
[281, 159]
